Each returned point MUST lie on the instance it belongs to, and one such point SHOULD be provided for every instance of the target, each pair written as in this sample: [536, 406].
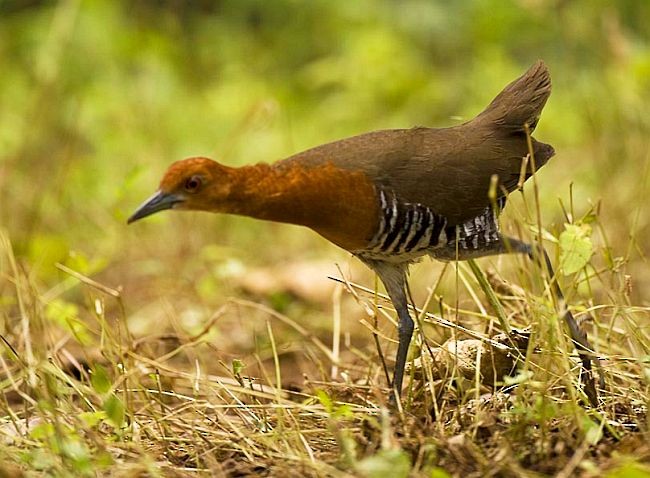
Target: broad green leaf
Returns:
[576, 248]
[100, 380]
[114, 409]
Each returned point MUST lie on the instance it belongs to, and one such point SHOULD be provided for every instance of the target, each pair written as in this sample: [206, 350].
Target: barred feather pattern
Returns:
[409, 230]
[476, 237]
[478, 232]
[405, 229]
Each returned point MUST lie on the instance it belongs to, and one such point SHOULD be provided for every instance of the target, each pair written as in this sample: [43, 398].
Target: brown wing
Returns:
[450, 169]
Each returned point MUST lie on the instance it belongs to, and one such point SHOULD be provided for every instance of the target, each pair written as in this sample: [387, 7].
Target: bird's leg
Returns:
[393, 276]
[578, 336]
[405, 333]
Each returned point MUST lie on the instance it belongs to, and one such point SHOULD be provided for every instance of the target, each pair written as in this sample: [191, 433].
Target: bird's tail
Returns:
[521, 102]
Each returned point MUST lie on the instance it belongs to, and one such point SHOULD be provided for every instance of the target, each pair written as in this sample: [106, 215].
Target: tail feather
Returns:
[521, 102]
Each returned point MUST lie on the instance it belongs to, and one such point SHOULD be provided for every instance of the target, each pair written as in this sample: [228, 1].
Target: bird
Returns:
[392, 196]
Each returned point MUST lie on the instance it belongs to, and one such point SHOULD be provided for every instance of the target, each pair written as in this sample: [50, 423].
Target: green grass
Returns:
[198, 345]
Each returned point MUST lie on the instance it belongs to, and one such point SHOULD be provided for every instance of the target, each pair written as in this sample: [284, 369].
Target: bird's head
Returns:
[198, 184]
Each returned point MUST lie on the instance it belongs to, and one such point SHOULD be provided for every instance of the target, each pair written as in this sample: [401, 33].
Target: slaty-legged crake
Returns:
[392, 196]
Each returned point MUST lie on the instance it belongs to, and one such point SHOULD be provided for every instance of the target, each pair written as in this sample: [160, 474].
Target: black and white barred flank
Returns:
[408, 230]
[478, 232]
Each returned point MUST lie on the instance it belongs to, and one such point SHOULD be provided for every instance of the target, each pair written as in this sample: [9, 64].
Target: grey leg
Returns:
[393, 277]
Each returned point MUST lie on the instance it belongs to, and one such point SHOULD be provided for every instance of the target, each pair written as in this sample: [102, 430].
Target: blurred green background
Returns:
[98, 97]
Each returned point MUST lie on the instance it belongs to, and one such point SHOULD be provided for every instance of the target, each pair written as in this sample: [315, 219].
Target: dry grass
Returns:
[82, 395]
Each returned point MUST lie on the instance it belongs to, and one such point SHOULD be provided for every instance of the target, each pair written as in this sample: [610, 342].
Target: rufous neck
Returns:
[340, 205]
[271, 193]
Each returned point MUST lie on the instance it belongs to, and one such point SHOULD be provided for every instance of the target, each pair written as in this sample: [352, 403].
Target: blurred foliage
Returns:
[97, 97]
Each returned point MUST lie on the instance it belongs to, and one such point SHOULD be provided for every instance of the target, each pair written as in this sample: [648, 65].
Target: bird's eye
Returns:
[193, 184]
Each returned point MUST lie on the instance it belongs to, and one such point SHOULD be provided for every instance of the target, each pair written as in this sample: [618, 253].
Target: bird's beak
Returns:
[158, 202]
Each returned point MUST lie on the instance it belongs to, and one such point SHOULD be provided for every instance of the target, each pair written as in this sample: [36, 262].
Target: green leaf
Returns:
[593, 431]
[103, 459]
[237, 366]
[91, 419]
[42, 431]
[114, 409]
[66, 315]
[386, 464]
[325, 400]
[343, 411]
[630, 470]
[77, 451]
[40, 459]
[100, 380]
[576, 248]
[439, 473]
